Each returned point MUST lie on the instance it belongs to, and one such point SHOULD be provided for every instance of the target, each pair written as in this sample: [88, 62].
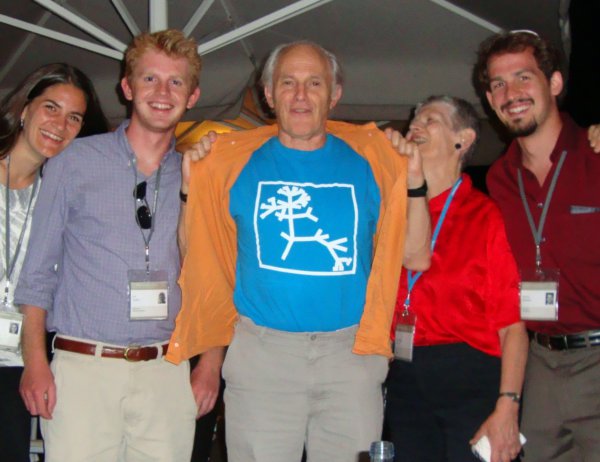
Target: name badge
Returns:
[405, 336]
[148, 295]
[10, 330]
[539, 294]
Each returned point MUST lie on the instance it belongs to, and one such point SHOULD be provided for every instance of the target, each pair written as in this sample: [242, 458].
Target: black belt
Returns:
[590, 338]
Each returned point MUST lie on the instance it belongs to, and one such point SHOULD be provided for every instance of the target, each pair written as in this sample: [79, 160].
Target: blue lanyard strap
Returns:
[412, 277]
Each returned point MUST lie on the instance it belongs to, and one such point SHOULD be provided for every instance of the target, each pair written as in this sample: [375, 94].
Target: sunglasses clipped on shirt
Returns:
[143, 214]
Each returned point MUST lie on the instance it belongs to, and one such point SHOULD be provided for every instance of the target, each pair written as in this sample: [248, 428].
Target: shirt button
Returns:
[176, 345]
[540, 205]
[313, 337]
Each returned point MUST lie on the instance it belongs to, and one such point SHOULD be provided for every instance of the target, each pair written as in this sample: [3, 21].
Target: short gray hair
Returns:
[273, 59]
[463, 116]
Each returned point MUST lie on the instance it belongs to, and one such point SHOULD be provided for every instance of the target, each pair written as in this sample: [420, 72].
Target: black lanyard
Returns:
[152, 212]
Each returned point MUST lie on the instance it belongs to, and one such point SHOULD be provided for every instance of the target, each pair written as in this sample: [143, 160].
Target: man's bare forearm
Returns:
[34, 335]
[37, 382]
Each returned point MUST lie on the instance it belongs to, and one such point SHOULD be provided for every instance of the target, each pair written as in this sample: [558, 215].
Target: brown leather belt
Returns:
[131, 353]
[569, 341]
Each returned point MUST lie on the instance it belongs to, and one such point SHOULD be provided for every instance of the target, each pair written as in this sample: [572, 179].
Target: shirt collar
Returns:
[436, 204]
[126, 149]
[567, 140]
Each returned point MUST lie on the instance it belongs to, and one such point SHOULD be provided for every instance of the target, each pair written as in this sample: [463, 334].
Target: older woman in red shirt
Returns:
[460, 345]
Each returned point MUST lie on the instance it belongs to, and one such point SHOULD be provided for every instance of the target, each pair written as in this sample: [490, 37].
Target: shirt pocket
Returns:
[579, 233]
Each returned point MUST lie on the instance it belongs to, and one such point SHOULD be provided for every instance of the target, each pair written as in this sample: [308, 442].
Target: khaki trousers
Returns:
[561, 405]
[111, 410]
[287, 390]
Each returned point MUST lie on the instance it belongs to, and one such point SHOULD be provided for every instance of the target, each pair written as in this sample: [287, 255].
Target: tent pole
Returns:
[159, 15]
[83, 24]
[265, 22]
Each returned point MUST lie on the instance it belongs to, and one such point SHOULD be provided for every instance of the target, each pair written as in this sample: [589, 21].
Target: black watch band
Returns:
[421, 191]
[183, 197]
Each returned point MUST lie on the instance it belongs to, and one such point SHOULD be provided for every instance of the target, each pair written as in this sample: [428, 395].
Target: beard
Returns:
[518, 128]
[517, 131]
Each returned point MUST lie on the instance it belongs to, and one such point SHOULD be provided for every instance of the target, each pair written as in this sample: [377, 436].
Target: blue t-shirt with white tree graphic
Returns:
[305, 226]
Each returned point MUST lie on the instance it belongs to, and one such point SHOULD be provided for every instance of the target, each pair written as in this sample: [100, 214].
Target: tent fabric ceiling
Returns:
[394, 52]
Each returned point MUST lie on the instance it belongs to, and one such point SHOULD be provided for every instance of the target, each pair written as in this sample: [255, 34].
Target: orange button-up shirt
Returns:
[208, 314]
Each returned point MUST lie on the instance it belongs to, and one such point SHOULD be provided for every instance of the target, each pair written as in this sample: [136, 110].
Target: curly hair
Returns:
[546, 55]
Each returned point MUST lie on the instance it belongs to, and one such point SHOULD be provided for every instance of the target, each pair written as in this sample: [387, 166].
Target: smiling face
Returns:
[520, 94]
[161, 90]
[301, 96]
[52, 120]
[433, 131]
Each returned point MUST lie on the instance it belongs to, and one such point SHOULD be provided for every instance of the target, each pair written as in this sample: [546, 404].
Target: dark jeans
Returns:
[15, 421]
[436, 403]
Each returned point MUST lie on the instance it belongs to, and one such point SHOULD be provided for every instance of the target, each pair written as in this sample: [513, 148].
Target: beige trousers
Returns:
[561, 405]
[287, 390]
[111, 410]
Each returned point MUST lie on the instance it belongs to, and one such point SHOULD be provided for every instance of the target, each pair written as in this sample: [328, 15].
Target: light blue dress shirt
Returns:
[85, 238]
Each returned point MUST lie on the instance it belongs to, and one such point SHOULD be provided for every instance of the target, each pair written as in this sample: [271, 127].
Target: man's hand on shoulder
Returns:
[206, 379]
[194, 153]
[594, 137]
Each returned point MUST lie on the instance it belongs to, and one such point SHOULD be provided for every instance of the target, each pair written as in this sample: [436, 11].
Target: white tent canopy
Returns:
[394, 52]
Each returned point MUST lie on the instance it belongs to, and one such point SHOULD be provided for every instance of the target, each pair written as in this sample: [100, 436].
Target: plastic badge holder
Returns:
[483, 450]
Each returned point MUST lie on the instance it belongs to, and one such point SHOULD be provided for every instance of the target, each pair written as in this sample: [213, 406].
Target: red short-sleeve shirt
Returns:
[471, 289]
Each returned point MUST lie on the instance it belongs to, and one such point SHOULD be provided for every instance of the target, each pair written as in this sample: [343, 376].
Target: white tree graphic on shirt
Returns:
[294, 206]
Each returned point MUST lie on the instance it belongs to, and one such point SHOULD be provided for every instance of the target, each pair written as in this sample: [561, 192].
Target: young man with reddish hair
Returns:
[107, 220]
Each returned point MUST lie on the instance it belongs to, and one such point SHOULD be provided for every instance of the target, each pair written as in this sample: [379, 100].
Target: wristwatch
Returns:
[421, 191]
[513, 396]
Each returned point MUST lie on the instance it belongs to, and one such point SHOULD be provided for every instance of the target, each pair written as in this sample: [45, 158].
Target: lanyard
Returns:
[537, 232]
[152, 212]
[412, 278]
[10, 263]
